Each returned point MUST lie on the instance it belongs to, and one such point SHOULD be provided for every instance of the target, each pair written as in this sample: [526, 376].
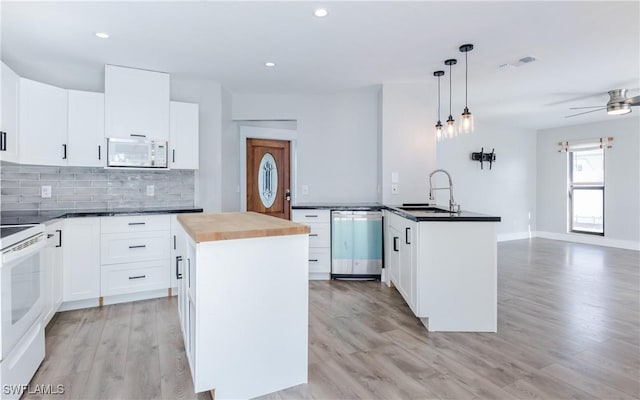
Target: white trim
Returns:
[590, 239]
[505, 237]
[255, 132]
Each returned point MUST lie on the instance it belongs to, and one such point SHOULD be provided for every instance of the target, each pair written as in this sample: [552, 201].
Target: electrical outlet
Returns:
[45, 192]
[305, 190]
[394, 189]
[151, 190]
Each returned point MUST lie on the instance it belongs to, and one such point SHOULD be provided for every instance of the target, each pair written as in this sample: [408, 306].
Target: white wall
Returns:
[229, 156]
[507, 190]
[337, 140]
[622, 181]
[407, 141]
[208, 95]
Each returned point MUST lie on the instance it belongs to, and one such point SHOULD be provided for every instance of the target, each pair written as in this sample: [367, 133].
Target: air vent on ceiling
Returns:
[519, 63]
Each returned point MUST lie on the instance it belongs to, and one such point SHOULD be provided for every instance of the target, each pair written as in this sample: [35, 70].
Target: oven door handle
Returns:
[9, 255]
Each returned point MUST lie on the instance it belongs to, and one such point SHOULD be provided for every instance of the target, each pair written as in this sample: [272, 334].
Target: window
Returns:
[586, 191]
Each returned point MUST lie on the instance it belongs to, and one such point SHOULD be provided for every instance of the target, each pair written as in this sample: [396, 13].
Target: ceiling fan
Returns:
[618, 104]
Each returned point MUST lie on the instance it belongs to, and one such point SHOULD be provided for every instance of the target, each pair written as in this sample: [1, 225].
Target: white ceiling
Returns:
[583, 48]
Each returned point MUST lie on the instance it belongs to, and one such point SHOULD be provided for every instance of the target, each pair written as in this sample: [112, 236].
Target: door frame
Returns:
[256, 132]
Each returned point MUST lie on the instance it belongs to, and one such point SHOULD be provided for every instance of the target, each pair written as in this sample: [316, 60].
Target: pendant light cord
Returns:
[450, 90]
[466, 78]
[438, 98]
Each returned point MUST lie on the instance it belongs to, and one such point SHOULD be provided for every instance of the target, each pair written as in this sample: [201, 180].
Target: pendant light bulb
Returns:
[451, 123]
[439, 133]
[466, 120]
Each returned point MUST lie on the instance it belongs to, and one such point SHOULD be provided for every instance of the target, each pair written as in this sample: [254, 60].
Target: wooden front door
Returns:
[268, 175]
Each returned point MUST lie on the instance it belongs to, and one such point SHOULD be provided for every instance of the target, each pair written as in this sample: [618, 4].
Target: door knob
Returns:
[287, 195]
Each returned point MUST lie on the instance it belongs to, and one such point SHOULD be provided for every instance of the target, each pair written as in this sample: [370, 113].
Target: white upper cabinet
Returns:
[184, 136]
[9, 115]
[43, 123]
[86, 143]
[136, 103]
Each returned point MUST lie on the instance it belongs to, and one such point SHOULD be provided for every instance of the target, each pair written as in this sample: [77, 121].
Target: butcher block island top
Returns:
[237, 225]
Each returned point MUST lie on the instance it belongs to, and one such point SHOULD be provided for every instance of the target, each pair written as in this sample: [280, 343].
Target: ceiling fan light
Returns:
[618, 109]
[466, 121]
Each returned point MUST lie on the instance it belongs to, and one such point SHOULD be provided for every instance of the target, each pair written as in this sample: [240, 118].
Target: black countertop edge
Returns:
[40, 217]
[340, 206]
[464, 216]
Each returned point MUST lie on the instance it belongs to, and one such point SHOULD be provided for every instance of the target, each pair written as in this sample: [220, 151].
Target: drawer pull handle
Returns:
[313, 234]
[137, 223]
[178, 260]
[137, 135]
[313, 260]
[140, 246]
[137, 277]
[311, 216]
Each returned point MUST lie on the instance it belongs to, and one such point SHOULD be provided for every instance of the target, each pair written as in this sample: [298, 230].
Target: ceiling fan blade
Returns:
[579, 108]
[633, 101]
[586, 112]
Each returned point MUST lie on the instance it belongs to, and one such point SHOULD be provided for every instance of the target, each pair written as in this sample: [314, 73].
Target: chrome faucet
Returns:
[452, 204]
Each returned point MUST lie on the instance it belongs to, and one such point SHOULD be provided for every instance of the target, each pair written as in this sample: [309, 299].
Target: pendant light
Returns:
[438, 74]
[466, 121]
[451, 123]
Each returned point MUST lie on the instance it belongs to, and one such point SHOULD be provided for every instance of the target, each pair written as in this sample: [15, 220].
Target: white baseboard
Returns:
[122, 298]
[505, 237]
[589, 239]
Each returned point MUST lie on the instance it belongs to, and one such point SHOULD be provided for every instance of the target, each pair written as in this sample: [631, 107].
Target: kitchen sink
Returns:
[424, 209]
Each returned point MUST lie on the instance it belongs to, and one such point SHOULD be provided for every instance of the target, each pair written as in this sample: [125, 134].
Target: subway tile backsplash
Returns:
[77, 188]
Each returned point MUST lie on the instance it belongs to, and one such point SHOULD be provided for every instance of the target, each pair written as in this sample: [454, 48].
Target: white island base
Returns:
[247, 303]
[445, 270]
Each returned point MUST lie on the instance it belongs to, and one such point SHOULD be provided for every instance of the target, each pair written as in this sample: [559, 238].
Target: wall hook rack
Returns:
[484, 157]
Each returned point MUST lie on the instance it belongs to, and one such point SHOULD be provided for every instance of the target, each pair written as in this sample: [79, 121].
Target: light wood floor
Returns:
[568, 328]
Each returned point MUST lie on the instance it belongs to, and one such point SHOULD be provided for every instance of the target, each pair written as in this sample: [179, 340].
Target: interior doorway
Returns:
[268, 181]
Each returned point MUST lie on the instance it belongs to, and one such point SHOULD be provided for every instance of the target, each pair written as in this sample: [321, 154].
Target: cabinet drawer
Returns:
[135, 223]
[131, 278]
[320, 235]
[310, 216]
[319, 260]
[119, 248]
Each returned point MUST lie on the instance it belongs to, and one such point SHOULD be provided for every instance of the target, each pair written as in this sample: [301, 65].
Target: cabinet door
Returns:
[9, 115]
[407, 276]
[393, 245]
[184, 136]
[43, 123]
[81, 253]
[136, 103]
[177, 253]
[86, 144]
[52, 263]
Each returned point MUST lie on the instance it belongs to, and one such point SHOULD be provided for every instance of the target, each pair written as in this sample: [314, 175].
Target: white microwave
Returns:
[134, 153]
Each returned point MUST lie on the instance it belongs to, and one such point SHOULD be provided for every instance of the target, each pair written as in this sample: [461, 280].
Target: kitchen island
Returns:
[444, 264]
[244, 303]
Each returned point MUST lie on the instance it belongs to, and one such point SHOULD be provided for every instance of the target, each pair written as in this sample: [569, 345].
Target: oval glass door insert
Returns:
[267, 180]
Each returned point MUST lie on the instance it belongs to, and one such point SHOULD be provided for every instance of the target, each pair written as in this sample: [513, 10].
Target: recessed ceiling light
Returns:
[102, 35]
[269, 64]
[320, 12]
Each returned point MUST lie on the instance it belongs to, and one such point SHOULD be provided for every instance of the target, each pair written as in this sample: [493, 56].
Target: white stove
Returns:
[21, 306]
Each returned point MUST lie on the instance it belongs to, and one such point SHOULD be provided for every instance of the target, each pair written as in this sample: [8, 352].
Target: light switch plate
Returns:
[394, 189]
[395, 177]
[151, 190]
[45, 192]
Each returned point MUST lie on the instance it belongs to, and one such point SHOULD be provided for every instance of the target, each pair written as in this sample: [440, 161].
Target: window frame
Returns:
[585, 186]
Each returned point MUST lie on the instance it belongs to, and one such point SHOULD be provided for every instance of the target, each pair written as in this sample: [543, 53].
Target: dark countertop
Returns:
[40, 217]
[419, 216]
[444, 216]
[339, 206]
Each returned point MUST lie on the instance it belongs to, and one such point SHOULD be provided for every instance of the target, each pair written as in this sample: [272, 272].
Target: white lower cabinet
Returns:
[134, 254]
[52, 263]
[401, 258]
[319, 240]
[134, 277]
[81, 259]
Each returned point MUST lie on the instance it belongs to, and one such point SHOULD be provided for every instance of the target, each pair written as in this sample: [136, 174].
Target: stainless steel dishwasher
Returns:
[356, 244]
